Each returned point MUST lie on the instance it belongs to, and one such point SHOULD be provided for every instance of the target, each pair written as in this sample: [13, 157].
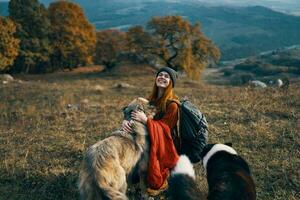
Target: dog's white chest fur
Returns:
[216, 148]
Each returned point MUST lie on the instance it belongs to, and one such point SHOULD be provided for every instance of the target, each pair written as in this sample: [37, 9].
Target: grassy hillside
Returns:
[47, 122]
[269, 66]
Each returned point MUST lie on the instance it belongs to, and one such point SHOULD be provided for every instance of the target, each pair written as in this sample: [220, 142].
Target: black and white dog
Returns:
[228, 174]
[182, 183]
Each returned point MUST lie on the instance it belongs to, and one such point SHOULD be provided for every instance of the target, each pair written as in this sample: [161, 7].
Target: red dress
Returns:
[163, 154]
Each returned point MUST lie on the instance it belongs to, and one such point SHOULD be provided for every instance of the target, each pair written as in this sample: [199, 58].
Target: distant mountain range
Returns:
[286, 6]
[238, 31]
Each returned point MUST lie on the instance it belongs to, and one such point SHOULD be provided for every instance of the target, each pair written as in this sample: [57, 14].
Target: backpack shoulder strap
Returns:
[178, 113]
[176, 132]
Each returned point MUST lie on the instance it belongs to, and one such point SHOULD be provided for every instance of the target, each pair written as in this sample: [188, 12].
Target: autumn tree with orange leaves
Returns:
[176, 43]
[33, 30]
[73, 37]
[110, 44]
[140, 43]
[9, 45]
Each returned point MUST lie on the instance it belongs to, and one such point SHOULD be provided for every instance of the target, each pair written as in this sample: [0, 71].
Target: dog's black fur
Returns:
[228, 176]
[182, 183]
[182, 187]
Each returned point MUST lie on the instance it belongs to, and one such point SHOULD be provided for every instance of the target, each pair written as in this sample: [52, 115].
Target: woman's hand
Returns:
[139, 116]
[126, 126]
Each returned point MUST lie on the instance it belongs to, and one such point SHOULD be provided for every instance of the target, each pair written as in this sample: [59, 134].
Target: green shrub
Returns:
[290, 62]
[248, 65]
[241, 78]
[260, 68]
[268, 70]
[227, 72]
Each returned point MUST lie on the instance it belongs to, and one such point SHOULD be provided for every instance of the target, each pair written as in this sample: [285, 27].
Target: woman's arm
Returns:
[170, 117]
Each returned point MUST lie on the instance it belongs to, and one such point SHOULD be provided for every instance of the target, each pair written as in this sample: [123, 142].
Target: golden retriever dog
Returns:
[108, 163]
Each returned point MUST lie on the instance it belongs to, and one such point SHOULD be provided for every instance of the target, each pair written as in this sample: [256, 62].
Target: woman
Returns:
[163, 154]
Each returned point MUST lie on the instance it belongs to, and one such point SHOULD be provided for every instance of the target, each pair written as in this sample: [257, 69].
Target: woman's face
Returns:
[163, 80]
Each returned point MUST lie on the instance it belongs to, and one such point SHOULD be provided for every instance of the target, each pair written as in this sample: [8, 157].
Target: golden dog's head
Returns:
[139, 104]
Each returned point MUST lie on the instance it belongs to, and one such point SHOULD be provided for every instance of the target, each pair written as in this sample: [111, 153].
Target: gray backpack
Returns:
[193, 130]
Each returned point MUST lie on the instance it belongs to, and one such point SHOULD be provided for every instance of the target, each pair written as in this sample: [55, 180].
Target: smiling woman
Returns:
[162, 130]
[163, 79]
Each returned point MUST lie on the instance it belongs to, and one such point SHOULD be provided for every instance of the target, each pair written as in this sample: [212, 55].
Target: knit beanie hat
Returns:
[171, 72]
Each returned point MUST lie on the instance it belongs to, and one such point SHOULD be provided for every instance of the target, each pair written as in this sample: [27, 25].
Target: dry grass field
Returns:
[48, 121]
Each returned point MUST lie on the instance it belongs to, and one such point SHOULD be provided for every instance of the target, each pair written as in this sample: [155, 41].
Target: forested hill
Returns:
[238, 31]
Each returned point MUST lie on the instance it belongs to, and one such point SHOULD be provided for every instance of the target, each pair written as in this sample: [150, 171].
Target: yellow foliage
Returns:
[9, 45]
[182, 45]
[74, 38]
[110, 43]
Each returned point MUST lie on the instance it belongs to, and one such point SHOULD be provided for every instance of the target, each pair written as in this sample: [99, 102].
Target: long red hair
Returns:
[161, 103]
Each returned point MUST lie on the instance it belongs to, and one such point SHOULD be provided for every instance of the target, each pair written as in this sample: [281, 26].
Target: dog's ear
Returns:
[142, 104]
[228, 144]
[142, 101]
